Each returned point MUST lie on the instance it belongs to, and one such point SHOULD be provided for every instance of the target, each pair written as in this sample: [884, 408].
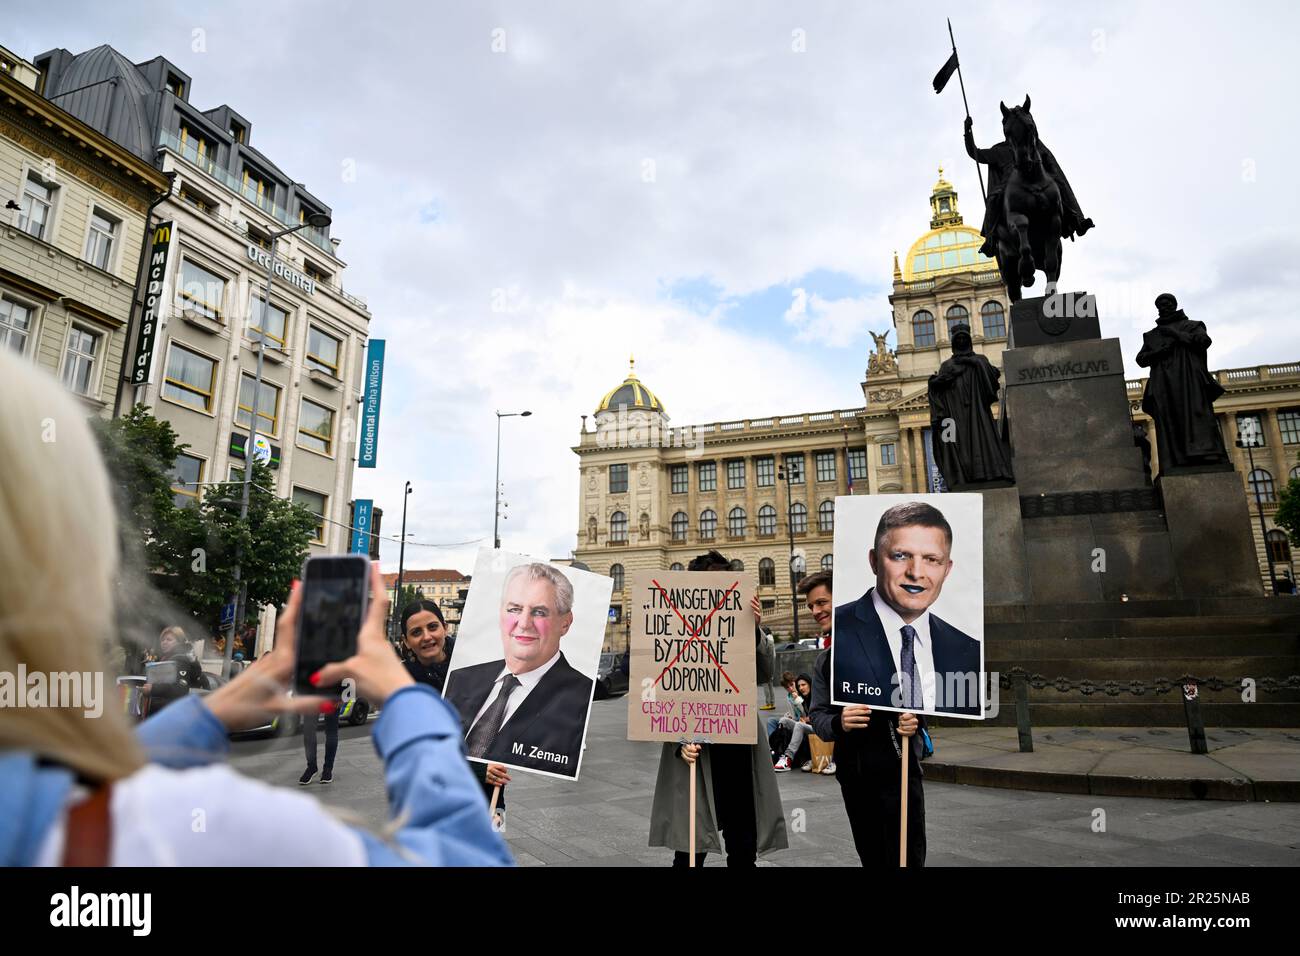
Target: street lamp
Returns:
[318, 220]
[401, 564]
[1249, 438]
[788, 472]
[496, 510]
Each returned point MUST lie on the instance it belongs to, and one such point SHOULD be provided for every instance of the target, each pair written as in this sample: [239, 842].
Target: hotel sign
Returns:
[282, 269]
[155, 278]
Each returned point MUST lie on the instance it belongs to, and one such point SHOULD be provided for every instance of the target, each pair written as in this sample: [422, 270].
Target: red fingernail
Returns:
[315, 679]
[328, 707]
[295, 585]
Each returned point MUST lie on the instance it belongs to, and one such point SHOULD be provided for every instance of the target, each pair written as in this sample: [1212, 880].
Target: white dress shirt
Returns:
[922, 648]
[526, 684]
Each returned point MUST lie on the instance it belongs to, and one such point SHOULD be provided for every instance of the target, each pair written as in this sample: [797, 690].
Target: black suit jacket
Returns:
[545, 733]
[862, 656]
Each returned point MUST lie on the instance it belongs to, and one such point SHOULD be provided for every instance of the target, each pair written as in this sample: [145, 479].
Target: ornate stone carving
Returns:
[592, 530]
[885, 395]
[882, 360]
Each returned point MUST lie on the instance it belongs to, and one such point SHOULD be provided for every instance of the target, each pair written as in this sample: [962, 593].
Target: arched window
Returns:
[767, 520]
[1279, 548]
[1295, 472]
[736, 522]
[923, 328]
[736, 565]
[994, 319]
[766, 573]
[826, 516]
[799, 517]
[677, 566]
[680, 524]
[1261, 485]
[828, 560]
[955, 314]
[616, 572]
[708, 523]
[618, 528]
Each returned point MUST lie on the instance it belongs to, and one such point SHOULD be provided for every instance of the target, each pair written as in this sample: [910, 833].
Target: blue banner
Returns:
[361, 526]
[368, 446]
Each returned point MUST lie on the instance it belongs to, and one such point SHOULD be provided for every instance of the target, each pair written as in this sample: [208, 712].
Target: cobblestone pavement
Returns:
[603, 818]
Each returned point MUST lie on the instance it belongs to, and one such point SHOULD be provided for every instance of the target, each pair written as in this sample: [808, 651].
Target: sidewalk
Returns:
[1260, 764]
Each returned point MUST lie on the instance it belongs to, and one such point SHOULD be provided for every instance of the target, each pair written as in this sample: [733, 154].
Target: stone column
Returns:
[905, 456]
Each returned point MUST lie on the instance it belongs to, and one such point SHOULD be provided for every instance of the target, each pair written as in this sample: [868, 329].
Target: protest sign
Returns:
[692, 658]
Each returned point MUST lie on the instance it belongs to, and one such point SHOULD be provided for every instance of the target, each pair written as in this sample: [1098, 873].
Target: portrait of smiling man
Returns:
[529, 708]
[889, 649]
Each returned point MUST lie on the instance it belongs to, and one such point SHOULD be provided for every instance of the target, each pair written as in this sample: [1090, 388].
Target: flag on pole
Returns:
[945, 72]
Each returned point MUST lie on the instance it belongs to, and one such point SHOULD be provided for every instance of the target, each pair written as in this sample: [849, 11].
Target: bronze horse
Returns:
[1029, 236]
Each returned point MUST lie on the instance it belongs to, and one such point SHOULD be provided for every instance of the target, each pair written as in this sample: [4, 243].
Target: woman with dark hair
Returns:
[426, 652]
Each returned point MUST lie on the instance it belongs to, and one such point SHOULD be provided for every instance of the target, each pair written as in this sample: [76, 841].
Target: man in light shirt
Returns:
[889, 649]
[528, 709]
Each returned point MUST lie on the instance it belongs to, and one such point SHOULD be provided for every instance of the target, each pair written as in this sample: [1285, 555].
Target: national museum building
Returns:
[653, 496]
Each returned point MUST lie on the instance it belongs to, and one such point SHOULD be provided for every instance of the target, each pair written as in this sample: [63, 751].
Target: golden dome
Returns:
[949, 246]
[632, 394]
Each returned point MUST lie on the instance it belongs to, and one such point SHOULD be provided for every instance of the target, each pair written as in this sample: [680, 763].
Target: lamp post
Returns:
[496, 510]
[1249, 438]
[401, 567]
[786, 473]
[320, 221]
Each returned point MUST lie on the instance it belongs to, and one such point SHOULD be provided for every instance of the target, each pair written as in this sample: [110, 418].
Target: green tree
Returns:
[189, 553]
[1288, 510]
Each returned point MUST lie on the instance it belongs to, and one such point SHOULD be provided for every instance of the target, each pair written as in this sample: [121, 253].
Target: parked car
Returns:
[611, 675]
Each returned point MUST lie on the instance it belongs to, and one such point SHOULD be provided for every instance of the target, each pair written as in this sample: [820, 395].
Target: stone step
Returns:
[1270, 607]
[1134, 648]
[1145, 627]
[1121, 668]
[1126, 712]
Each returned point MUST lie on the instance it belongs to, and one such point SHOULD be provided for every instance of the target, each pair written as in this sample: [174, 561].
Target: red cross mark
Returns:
[695, 634]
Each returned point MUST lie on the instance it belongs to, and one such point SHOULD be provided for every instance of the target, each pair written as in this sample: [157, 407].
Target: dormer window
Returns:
[237, 132]
[176, 85]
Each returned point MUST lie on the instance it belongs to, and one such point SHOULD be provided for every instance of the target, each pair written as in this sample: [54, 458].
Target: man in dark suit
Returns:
[889, 650]
[528, 709]
[868, 748]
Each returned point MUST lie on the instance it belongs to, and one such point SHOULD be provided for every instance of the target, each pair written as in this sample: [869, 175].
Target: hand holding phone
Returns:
[375, 667]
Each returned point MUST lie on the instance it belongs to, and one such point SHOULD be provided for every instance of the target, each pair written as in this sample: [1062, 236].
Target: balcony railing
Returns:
[1236, 376]
[189, 152]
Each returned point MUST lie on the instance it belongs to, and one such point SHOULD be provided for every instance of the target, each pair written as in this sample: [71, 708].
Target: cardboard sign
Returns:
[908, 631]
[523, 671]
[692, 663]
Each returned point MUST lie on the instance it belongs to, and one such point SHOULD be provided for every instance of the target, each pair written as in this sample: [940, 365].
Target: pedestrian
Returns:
[868, 748]
[797, 723]
[330, 714]
[81, 788]
[740, 802]
[426, 651]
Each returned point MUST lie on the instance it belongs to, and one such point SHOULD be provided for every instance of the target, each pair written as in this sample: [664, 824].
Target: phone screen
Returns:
[335, 589]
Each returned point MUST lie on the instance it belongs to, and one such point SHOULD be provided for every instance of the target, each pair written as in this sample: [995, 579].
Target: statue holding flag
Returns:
[1030, 206]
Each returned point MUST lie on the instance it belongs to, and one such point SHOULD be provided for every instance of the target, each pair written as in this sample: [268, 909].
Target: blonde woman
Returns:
[81, 788]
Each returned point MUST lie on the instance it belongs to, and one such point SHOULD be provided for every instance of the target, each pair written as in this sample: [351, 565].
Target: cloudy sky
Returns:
[542, 190]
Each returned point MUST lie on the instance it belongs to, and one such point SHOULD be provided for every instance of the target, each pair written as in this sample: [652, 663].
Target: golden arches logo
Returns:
[162, 234]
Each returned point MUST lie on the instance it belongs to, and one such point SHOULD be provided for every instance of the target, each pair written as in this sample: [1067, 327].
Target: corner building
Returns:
[226, 200]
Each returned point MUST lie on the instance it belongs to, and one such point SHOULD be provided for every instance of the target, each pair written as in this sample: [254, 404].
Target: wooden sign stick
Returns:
[693, 810]
[492, 807]
[902, 802]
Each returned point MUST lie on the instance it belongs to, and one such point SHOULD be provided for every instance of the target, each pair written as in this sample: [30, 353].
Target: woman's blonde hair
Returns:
[58, 564]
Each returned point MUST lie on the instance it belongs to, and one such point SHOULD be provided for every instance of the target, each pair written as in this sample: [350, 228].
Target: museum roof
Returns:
[949, 246]
[631, 394]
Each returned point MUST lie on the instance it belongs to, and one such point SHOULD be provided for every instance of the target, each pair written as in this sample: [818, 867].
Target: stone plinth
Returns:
[1210, 533]
[1051, 320]
[1068, 408]
[1005, 581]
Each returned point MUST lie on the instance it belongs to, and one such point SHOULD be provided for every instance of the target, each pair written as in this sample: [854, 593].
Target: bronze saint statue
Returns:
[1180, 392]
[967, 448]
[1030, 206]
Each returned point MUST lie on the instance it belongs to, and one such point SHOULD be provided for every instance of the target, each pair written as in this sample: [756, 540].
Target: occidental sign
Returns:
[282, 269]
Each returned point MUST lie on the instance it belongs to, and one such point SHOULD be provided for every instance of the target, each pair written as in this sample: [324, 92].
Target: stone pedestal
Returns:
[1068, 408]
[1210, 534]
[1078, 558]
[1005, 581]
[1053, 319]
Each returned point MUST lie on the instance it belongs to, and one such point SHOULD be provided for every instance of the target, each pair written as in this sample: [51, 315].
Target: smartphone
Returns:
[335, 594]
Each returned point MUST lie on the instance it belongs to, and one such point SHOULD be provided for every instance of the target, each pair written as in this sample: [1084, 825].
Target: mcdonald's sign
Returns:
[155, 278]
